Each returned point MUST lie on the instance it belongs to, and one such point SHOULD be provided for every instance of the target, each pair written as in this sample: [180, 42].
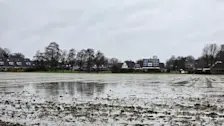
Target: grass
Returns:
[102, 72]
[68, 71]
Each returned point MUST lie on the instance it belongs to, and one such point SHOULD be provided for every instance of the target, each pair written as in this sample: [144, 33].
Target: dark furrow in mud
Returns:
[2, 123]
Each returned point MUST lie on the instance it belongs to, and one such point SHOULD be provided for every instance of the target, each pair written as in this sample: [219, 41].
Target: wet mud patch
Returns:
[209, 83]
[180, 83]
[217, 95]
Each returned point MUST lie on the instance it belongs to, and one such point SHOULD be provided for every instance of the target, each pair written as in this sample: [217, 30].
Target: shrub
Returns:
[115, 69]
[20, 70]
[12, 70]
[127, 70]
[30, 70]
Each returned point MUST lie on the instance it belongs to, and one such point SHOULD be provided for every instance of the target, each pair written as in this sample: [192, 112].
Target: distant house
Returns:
[124, 66]
[201, 66]
[138, 66]
[162, 67]
[189, 65]
[140, 62]
[128, 65]
[18, 63]
[220, 55]
[29, 63]
[119, 65]
[101, 68]
[151, 64]
[218, 68]
[2, 64]
[15, 63]
[76, 67]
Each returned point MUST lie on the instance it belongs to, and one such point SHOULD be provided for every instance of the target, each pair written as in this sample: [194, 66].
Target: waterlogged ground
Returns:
[111, 99]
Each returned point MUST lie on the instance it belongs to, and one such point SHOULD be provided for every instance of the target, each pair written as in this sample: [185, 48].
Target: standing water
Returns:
[111, 99]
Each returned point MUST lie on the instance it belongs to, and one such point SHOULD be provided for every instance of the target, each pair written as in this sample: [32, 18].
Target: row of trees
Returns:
[53, 58]
[180, 62]
[5, 53]
[210, 54]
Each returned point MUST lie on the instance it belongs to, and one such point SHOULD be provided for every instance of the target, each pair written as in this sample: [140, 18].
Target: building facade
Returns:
[15, 63]
[128, 65]
[152, 62]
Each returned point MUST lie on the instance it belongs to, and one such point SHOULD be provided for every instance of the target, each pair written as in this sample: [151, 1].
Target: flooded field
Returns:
[111, 99]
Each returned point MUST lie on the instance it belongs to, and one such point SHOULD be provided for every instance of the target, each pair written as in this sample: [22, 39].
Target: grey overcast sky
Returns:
[126, 29]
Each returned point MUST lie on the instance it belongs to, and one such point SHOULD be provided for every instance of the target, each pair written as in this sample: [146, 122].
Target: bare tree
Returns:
[113, 61]
[5, 53]
[170, 63]
[114, 65]
[53, 54]
[81, 58]
[89, 58]
[214, 49]
[100, 60]
[140, 62]
[17, 55]
[40, 61]
[190, 59]
[206, 54]
[71, 58]
[39, 56]
[222, 47]
[63, 58]
[220, 55]
[210, 52]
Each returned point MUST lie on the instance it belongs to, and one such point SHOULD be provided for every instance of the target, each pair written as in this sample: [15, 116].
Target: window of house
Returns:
[28, 63]
[1, 63]
[19, 63]
[150, 64]
[11, 63]
[145, 64]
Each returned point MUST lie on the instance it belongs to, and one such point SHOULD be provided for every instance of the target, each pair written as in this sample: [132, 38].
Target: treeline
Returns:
[54, 58]
[211, 53]
[5, 53]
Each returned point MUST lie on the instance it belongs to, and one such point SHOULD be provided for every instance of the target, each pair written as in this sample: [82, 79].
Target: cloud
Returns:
[127, 29]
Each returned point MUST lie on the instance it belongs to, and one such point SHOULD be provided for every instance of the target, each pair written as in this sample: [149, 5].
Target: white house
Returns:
[124, 66]
[128, 65]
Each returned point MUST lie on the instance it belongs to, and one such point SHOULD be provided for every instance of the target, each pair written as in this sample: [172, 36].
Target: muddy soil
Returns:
[91, 99]
[2, 123]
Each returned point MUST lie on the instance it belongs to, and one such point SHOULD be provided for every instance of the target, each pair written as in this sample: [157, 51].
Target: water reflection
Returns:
[72, 89]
